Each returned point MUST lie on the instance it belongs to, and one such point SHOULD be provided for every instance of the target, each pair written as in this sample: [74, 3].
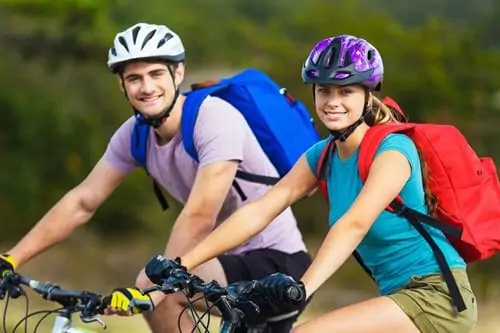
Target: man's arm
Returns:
[219, 136]
[198, 217]
[73, 210]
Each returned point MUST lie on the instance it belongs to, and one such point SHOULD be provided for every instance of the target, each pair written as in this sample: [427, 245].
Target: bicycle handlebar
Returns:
[180, 279]
[89, 304]
[233, 301]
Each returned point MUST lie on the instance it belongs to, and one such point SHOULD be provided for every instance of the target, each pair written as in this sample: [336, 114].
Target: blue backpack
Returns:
[281, 124]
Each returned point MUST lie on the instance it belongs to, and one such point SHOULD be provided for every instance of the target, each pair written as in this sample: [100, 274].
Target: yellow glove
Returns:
[130, 299]
[6, 264]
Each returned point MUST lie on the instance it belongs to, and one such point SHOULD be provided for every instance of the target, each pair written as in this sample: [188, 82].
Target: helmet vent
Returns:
[123, 42]
[148, 38]
[135, 32]
[369, 55]
[168, 36]
[329, 57]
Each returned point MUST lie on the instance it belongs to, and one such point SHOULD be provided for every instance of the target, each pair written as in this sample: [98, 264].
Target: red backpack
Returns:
[466, 187]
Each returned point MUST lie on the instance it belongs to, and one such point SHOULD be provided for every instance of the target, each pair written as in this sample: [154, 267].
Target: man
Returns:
[149, 62]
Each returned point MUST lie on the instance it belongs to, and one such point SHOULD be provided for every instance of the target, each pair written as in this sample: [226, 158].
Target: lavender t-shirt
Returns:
[220, 134]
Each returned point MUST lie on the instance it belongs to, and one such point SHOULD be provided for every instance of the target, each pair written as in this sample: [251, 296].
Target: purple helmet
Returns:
[344, 60]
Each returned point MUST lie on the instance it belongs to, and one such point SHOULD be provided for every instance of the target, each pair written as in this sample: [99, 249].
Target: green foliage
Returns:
[60, 105]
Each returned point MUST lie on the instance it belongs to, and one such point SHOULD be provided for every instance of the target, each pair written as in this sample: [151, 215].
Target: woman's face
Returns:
[338, 107]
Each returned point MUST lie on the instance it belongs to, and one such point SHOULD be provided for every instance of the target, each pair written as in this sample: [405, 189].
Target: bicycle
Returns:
[237, 303]
[88, 304]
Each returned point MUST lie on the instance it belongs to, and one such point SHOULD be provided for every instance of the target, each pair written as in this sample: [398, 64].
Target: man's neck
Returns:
[172, 125]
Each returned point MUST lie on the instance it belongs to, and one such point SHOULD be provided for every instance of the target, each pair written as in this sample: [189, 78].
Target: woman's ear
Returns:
[370, 100]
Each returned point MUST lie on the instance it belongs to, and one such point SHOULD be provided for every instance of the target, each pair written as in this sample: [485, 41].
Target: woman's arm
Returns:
[253, 217]
[388, 174]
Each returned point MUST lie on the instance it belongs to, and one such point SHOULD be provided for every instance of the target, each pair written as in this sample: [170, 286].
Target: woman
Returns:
[345, 72]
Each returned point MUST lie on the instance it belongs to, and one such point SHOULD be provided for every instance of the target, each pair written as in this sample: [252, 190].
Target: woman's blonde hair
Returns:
[379, 113]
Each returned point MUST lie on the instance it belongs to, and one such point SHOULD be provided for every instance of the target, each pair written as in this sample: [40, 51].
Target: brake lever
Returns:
[253, 307]
[92, 319]
[150, 290]
[169, 289]
[165, 288]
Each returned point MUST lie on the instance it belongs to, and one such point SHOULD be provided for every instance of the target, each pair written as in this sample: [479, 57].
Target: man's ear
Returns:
[179, 73]
[120, 82]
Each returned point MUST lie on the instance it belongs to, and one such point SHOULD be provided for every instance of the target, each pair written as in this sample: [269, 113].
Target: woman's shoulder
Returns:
[313, 154]
[399, 142]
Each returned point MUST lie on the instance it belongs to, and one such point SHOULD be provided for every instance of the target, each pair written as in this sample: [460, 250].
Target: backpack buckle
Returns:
[398, 207]
[288, 96]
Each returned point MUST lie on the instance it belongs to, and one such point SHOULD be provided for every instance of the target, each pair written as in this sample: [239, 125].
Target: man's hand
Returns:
[6, 264]
[127, 302]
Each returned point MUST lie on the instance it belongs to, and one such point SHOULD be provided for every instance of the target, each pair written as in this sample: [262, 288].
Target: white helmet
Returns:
[145, 41]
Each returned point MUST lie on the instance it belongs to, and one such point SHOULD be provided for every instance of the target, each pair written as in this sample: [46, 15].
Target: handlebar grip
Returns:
[54, 292]
[10, 285]
[294, 294]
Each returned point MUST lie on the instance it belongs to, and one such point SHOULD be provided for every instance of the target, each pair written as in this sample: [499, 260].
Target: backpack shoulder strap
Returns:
[139, 142]
[372, 140]
[138, 148]
[327, 150]
[323, 167]
[194, 99]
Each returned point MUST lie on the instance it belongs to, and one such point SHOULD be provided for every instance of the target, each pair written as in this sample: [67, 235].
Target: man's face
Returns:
[150, 87]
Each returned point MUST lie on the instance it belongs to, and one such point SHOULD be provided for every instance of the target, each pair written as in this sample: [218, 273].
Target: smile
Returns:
[335, 113]
[334, 116]
[150, 98]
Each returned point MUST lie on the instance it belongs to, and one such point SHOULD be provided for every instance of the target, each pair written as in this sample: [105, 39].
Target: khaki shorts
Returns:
[426, 301]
